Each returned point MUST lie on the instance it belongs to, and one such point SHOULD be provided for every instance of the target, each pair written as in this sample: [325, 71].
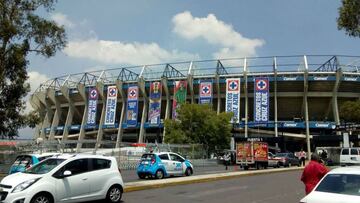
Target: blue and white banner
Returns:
[132, 106]
[261, 100]
[233, 98]
[110, 112]
[205, 92]
[155, 103]
[92, 107]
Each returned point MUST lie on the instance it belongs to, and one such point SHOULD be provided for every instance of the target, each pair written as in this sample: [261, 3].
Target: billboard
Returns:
[132, 105]
[205, 92]
[155, 103]
[180, 91]
[111, 100]
[92, 107]
[233, 98]
[261, 100]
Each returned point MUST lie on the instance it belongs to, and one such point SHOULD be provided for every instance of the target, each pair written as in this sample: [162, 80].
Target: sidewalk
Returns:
[144, 185]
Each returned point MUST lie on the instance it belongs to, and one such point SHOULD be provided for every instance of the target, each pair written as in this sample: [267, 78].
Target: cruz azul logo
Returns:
[233, 85]
[205, 90]
[112, 92]
[261, 84]
[132, 93]
[93, 94]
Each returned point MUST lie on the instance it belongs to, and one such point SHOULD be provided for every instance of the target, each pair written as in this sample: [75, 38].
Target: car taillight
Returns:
[153, 161]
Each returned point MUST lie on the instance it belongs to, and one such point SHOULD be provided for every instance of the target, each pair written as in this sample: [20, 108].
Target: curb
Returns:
[144, 185]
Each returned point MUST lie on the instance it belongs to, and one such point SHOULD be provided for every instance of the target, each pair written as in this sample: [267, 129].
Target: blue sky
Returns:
[112, 33]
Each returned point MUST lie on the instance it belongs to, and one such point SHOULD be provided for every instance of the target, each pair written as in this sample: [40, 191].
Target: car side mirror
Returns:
[67, 174]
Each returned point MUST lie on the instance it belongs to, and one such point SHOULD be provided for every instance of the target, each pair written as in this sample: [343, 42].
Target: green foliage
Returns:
[349, 17]
[22, 32]
[350, 111]
[199, 124]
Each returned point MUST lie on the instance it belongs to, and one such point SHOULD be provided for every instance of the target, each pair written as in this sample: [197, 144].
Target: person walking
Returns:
[313, 172]
[227, 160]
[302, 156]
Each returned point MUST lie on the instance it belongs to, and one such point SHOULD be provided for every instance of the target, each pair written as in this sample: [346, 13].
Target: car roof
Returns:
[346, 170]
[70, 156]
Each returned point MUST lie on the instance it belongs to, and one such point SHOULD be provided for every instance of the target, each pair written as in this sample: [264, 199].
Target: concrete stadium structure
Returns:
[305, 94]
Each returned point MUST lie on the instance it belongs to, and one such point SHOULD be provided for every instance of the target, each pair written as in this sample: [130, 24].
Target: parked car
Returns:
[24, 161]
[273, 161]
[350, 156]
[164, 164]
[339, 185]
[288, 159]
[65, 178]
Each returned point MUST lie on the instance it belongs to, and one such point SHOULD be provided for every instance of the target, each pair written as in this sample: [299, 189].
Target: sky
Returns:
[114, 33]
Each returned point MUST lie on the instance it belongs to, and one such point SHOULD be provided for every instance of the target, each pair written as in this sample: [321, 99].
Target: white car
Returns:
[340, 185]
[65, 178]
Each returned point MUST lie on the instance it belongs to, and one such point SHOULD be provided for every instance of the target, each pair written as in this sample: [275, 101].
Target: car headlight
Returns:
[22, 186]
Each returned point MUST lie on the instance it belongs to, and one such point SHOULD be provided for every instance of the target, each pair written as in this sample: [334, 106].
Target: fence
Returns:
[127, 155]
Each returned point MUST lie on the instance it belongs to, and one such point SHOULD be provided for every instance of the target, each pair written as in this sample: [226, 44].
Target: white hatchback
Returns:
[65, 178]
[340, 185]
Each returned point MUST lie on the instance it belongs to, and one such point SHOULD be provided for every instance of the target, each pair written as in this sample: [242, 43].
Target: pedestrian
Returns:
[302, 156]
[227, 160]
[313, 173]
[324, 156]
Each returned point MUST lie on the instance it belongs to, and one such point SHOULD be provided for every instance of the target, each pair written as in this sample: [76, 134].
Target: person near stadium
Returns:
[313, 172]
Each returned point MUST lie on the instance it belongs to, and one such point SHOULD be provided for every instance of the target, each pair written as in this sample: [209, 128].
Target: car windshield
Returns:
[45, 166]
[281, 155]
[348, 184]
[147, 156]
[22, 160]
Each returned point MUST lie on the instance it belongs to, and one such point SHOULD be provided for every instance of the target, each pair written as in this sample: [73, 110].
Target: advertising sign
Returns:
[180, 91]
[261, 100]
[132, 105]
[92, 107]
[155, 103]
[110, 112]
[205, 92]
[233, 98]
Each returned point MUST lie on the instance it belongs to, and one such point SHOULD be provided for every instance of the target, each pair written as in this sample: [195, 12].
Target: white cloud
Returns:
[215, 32]
[35, 79]
[117, 52]
[62, 19]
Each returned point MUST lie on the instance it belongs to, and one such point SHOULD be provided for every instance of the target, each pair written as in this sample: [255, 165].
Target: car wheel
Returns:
[188, 172]
[159, 174]
[114, 194]
[277, 165]
[42, 198]
[141, 176]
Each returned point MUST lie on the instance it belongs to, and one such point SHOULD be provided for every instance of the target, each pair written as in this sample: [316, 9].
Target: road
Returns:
[130, 175]
[269, 188]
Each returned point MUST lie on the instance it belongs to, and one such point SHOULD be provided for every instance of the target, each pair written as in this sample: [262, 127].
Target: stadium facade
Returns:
[292, 101]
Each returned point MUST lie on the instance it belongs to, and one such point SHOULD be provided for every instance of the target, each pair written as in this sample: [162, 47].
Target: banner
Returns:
[233, 98]
[155, 103]
[110, 112]
[132, 105]
[205, 95]
[180, 91]
[92, 107]
[261, 100]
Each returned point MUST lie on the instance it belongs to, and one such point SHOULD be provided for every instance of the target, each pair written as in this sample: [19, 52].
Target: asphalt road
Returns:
[130, 175]
[283, 187]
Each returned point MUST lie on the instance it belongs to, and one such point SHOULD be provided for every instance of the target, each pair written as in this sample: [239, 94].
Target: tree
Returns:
[22, 32]
[350, 111]
[349, 17]
[199, 124]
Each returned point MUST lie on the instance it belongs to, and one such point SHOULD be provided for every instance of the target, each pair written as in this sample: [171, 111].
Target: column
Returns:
[99, 136]
[306, 71]
[142, 133]
[57, 115]
[164, 82]
[275, 100]
[82, 92]
[119, 136]
[246, 98]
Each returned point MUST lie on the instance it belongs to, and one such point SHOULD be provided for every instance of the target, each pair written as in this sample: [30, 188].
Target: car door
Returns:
[176, 164]
[98, 175]
[76, 187]
[344, 156]
[165, 160]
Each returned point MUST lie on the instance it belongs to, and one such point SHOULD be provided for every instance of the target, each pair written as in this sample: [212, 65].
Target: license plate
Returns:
[145, 162]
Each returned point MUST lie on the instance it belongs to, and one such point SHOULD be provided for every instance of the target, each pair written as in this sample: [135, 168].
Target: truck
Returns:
[252, 154]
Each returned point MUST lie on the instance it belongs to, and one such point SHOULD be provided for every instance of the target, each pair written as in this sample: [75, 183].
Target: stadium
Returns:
[289, 101]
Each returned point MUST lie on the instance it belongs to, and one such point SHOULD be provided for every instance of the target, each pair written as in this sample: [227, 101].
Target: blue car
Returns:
[22, 162]
[164, 164]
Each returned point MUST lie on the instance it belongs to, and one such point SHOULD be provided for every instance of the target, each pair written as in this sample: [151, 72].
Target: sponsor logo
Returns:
[321, 125]
[350, 79]
[320, 78]
[290, 78]
[290, 124]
